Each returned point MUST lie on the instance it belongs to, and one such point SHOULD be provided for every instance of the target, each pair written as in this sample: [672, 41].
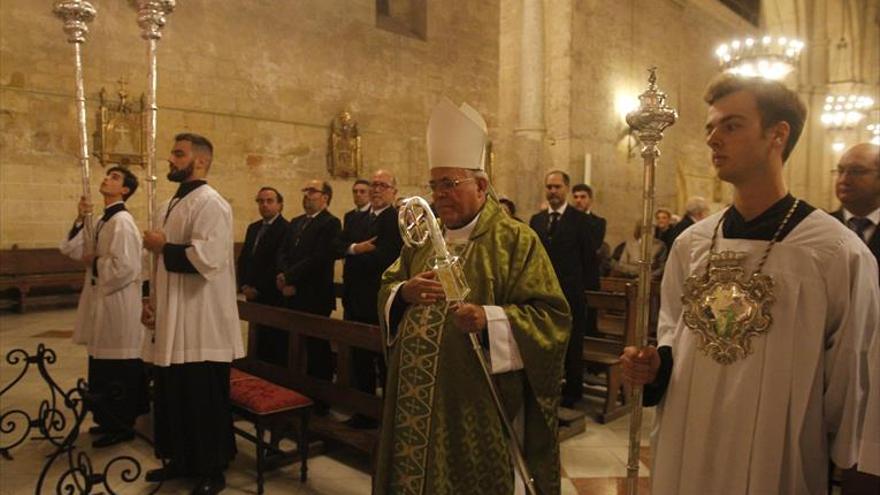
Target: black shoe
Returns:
[167, 473]
[209, 485]
[113, 439]
[99, 430]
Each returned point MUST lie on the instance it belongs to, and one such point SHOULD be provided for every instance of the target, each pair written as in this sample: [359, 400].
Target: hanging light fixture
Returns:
[845, 111]
[874, 129]
[769, 57]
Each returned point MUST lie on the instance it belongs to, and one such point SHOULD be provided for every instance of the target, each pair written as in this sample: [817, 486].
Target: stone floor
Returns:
[592, 462]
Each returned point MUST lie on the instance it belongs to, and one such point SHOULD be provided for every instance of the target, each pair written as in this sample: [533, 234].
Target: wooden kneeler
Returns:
[265, 404]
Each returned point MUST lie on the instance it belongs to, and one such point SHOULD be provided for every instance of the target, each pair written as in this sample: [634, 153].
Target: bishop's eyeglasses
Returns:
[446, 184]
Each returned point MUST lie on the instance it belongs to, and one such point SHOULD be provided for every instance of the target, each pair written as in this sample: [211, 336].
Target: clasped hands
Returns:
[286, 289]
[424, 288]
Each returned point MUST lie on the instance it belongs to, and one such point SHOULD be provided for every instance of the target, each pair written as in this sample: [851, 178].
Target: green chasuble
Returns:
[441, 433]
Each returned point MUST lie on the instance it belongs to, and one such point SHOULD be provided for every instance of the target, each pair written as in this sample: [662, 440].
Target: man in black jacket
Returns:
[257, 269]
[565, 233]
[305, 265]
[370, 246]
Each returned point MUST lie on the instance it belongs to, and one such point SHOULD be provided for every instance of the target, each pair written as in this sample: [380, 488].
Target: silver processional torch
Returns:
[152, 16]
[648, 123]
[417, 224]
[76, 15]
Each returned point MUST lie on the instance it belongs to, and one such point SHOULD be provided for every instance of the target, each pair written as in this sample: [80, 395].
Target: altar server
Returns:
[197, 332]
[107, 317]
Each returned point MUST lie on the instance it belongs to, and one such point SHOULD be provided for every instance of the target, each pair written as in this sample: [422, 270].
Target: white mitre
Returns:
[456, 137]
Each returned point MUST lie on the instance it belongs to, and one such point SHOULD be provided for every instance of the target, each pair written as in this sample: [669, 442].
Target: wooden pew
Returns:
[41, 276]
[344, 336]
[617, 310]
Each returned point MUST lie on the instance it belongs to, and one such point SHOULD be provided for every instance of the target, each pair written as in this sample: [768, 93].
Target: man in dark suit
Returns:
[857, 185]
[370, 246]
[305, 265]
[360, 195]
[565, 233]
[582, 195]
[256, 269]
[583, 201]
[695, 210]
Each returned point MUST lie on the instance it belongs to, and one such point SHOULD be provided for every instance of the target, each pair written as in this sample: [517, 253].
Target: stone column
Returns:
[529, 134]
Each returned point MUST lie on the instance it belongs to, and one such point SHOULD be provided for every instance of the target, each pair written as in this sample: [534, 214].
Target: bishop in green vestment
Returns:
[441, 433]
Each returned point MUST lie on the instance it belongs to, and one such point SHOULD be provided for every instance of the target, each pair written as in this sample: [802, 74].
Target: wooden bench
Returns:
[344, 336]
[617, 311]
[40, 276]
[603, 350]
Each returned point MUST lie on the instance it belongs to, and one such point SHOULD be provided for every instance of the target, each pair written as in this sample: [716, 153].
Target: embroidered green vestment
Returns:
[441, 433]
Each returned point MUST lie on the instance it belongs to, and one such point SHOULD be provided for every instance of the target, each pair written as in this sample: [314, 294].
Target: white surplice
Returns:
[196, 313]
[766, 424]
[108, 317]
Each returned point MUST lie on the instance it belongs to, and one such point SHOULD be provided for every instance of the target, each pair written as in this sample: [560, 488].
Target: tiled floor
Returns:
[593, 462]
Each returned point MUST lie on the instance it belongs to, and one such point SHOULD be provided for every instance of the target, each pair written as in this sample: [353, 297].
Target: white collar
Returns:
[874, 216]
[561, 209]
[272, 220]
[380, 210]
[316, 214]
[114, 204]
[462, 234]
[366, 207]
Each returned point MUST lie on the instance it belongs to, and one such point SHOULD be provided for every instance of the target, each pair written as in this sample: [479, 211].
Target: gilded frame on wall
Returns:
[344, 157]
[119, 133]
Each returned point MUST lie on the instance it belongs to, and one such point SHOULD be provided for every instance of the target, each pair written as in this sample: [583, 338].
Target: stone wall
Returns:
[261, 78]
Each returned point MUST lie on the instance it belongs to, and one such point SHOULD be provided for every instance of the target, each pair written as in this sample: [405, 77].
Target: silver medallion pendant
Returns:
[726, 308]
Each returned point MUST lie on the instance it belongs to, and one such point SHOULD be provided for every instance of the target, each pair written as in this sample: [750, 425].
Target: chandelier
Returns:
[874, 129]
[769, 57]
[845, 111]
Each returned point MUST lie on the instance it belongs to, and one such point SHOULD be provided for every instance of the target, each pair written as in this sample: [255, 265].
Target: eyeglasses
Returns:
[380, 185]
[855, 172]
[445, 185]
[311, 190]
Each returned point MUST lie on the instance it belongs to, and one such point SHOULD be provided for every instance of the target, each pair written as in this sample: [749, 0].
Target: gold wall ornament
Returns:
[344, 148]
[119, 134]
[726, 308]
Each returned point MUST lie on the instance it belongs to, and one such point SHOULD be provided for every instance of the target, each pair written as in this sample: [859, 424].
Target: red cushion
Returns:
[262, 397]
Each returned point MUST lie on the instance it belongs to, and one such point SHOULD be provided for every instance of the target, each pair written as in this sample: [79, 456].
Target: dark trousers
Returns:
[118, 392]
[573, 389]
[193, 421]
[368, 367]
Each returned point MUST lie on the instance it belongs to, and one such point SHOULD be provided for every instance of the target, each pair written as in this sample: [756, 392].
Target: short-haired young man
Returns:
[107, 317]
[767, 311]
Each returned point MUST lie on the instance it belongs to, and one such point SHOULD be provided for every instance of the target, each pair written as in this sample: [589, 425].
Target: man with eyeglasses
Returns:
[371, 242]
[441, 432]
[857, 185]
[305, 267]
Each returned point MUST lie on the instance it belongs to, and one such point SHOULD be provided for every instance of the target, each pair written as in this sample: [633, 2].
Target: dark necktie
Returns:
[859, 226]
[373, 218]
[263, 228]
[554, 219]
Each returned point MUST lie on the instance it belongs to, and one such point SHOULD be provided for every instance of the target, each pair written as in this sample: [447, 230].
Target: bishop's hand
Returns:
[640, 365]
[422, 289]
[469, 317]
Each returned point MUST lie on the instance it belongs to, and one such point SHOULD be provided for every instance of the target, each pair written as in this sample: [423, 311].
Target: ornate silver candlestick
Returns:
[76, 15]
[648, 123]
[152, 16]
